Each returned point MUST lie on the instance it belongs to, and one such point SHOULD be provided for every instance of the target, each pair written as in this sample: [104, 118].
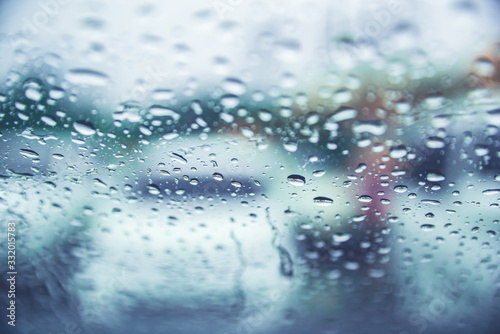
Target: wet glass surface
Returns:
[246, 166]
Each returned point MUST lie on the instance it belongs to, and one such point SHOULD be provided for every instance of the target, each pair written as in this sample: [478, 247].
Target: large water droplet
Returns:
[484, 67]
[435, 142]
[398, 152]
[400, 189]
[161, 111]
[229, 101]
[177, 157]
[296, 180]
[490, 192]
[29, 153]
[33, 91]
[234, 86]
[323, 201]
[375, 127]
[341, 237]
[265, 115]
[86, 77]
[343, 114]
[365, 198]
[218, 176]
[290, 146]
[84, 128]
[481, 150]
[427, 227]
[435, 176]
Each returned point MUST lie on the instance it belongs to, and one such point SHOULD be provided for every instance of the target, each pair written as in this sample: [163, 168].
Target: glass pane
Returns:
[248, 166]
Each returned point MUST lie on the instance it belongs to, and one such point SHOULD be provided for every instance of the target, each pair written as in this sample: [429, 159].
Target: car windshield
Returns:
[250, 166]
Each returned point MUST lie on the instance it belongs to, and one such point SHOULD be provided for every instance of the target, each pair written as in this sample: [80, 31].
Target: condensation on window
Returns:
[248, 166]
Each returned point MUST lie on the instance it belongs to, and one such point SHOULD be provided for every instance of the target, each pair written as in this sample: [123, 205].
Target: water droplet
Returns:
[400, 189]
[170, 135]
[376, 127]
[49, 120]
[494, 116]
[491, 233]
[435, 101]
[342, 96]
[343, 114]
[33, 91]
[351, 265]
[153, 189]
[229, 101]
[86, 77]
[430, 201]
[435, 176]
[99, 182]
[319, 173]
[490, 192]
[177, 157]
[427, 227]
[341, 237]
[365, 198]
[57, 156]
[481, 150]
[312, 118]
[57, 93]
[265, 115]
[323, 201]
[287, 49]
[435, 142]
[296, 180]
[234, 86]
[361, 167]
[145, 131]
[484, 67]
[236, 184]
[290, 146]
[218, 176]
[398, 152]
[376, 273]
[84, 128]
[29, 153]
[334, 274]
[161, 111]
[163, 95]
